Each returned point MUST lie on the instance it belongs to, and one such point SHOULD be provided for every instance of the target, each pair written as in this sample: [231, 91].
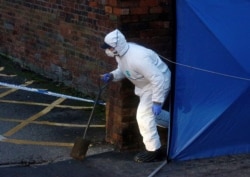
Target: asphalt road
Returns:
[37, 134]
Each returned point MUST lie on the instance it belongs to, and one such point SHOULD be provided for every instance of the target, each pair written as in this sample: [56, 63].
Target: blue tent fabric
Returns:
[211, 115]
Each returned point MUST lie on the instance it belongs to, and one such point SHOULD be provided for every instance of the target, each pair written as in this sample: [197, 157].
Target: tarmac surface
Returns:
[37, 133]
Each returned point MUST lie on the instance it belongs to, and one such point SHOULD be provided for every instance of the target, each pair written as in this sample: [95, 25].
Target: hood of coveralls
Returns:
[118, 41]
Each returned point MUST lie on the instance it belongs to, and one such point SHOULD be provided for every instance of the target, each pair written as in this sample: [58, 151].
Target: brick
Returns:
[149, 3]
[160, 24]
[129, 3]
[156, 10]
[139, 10]
[93, 4]
[108, 9]
[130, 19]
[91, 15]
[121, 11]
[112, 3]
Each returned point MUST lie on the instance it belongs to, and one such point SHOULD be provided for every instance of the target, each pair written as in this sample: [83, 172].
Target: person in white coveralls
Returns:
[152, 78]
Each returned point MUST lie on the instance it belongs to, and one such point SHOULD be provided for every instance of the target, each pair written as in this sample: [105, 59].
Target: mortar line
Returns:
[34, 117]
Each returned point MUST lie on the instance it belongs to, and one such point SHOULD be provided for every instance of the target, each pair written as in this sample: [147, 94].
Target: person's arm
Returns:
[117, 74]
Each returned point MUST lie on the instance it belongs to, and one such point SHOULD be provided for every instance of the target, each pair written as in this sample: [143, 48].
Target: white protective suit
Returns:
[151, 77]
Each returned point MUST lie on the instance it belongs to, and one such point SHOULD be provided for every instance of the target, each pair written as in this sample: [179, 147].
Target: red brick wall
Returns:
[56, 38]
[60, 39]
[148, 22]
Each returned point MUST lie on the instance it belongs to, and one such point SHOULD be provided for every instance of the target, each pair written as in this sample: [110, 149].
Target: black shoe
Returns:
[149, 156]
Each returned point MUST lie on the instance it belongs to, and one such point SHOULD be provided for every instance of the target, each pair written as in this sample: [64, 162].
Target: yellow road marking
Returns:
[66, 125]
[6, 75]
[41, 143]
[53, 123]
[34, 117]
[45, 104]
[13, 90]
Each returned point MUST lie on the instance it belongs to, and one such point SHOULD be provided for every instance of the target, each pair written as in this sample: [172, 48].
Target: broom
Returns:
[81, 144]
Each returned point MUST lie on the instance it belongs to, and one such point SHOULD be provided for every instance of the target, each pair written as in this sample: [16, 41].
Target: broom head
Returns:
[80, 148]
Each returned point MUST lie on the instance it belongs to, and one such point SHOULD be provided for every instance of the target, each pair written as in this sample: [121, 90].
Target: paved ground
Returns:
[37, 133]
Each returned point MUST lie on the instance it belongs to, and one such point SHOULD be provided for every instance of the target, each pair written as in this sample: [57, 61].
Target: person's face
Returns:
[111, 52]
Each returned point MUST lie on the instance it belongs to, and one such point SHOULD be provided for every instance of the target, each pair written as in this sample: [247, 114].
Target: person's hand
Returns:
[156, 108]
[107, 77]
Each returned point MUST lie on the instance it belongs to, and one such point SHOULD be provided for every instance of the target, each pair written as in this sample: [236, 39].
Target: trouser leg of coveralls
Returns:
[146, 122]
[163, 119]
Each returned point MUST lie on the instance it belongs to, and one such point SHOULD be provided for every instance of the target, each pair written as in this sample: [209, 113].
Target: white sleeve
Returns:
[118, 74]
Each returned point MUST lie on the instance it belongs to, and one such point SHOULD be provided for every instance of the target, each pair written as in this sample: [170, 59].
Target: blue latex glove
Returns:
[107, 77]
[156, 109]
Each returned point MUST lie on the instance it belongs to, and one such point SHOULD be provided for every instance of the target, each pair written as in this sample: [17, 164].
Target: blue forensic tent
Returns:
[211, 115]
